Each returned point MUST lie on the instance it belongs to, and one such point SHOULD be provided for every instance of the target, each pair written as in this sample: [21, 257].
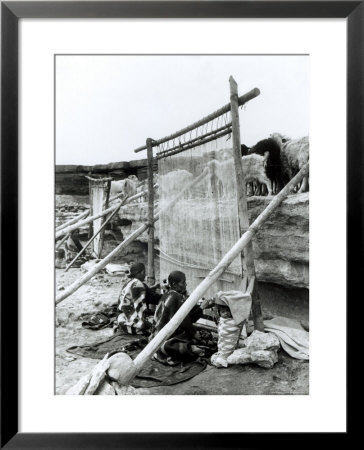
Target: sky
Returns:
[108, 105]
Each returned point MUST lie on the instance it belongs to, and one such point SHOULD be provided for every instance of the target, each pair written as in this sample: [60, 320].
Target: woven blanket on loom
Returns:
[153, 373]
[294, 339]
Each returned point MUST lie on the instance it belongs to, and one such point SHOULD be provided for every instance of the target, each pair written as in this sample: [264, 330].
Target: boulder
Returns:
[260, 348]
[281, 247]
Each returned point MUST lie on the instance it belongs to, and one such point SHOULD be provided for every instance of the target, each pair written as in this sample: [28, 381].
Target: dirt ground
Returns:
[288, 376]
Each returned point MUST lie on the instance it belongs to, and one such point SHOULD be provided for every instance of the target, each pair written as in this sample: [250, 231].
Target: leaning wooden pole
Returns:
[84, 214]
[83, 222]
[61, 241]
[99, 266]
[242, 202]
[74, 220]
[103, 213]
[87, 212]
[212, 277]
[103, 226]
[150, 272]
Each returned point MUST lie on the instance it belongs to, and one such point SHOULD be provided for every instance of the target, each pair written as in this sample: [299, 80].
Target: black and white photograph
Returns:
[181, 221]
[182, 224]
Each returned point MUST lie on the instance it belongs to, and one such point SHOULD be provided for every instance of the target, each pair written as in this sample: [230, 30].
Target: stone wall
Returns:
[71, 180]
[280, 247]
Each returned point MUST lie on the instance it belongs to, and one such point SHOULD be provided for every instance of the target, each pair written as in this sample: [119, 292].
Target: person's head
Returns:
[177, 281]
[137, 270]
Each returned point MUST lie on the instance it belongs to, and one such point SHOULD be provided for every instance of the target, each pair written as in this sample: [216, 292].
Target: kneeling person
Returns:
[134, 300]
[182, 345]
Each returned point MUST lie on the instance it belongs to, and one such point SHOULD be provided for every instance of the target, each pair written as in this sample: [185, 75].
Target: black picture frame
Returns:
[11, 12]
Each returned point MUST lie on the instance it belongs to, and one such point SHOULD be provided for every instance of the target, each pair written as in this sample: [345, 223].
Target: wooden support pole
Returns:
[99, 266]
[87, 212]
[101, 230]
[74, 220]
[151, 271]
[85, 221]
[103, 213]
[242, 202]
[200, 290]
[61, 241]
[242, 100]
[197, 140]
[188, 146]
[216, 232]
[93, 237]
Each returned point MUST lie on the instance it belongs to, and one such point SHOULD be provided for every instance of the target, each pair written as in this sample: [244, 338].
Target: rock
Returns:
[125, 390]
[263, 358]
[105, 389]
[70, 179]
[117, 269]
[280, 247]
[260, 348]
[88, 265]
[120, 367]
[261, 341]
[62, 316]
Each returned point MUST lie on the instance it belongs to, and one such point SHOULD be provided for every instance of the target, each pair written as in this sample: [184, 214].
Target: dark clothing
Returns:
[74, 244]
[178, 344]
[152, 299]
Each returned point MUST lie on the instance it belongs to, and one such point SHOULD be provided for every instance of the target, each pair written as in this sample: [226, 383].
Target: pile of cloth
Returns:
[101, 319]
[261, 348]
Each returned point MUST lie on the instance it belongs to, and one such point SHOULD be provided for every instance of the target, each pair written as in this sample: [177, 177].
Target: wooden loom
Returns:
[231, 127]
[243, 244]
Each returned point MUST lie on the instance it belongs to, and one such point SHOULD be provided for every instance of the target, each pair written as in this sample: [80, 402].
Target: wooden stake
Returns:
[234, 252]
[242, 202]
[151, 271]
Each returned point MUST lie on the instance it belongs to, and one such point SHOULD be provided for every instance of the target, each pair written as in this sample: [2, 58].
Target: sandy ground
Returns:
[288, 376]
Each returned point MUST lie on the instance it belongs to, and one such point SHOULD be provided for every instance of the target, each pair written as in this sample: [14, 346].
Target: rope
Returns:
[169, 258]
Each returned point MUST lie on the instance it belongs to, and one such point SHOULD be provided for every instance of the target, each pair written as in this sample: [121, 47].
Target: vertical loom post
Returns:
[151, 273]
[101, 230]
[242, 202]
[97, 185]
[216, 226]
